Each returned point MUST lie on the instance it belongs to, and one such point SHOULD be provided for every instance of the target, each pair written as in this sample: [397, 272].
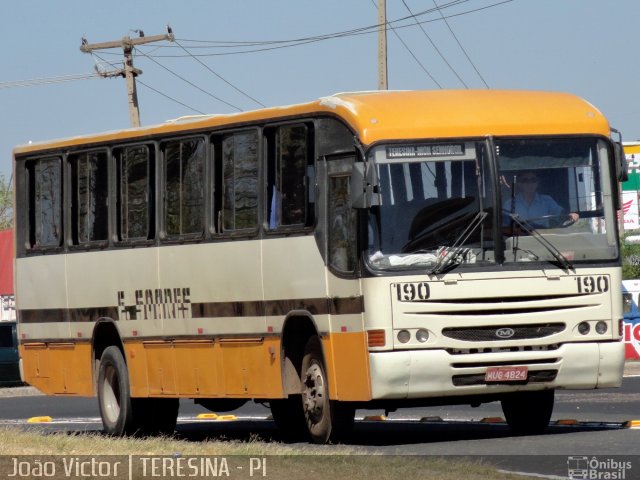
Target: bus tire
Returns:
[289, 417]
[326, 420]
[114, 394]
[528, 413]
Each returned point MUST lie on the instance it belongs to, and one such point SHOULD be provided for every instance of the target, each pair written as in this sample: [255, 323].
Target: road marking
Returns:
[202, 418]
[537, 475]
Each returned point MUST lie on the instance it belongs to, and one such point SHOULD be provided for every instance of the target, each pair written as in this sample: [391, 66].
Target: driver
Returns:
[530, 204]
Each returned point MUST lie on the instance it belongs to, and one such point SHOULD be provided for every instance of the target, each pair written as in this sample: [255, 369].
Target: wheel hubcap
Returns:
[314, 393]
[111, 395]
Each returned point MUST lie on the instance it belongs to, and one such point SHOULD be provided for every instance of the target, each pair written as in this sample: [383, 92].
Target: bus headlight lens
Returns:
[404, 336]
[601, 327]
[584, 328]
[422, 335]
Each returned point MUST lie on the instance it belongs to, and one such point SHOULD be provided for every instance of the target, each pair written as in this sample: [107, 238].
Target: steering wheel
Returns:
[563, 220]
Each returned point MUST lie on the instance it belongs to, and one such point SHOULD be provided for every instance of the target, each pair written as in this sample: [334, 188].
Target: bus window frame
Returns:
[161, 191]
[216, 179]
[338, 166]
[70, 195]
[152, 202]
[30, 243]
[269, 134]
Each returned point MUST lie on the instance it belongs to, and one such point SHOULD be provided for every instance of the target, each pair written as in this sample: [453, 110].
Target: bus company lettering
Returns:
[154, 304]
[413, 151]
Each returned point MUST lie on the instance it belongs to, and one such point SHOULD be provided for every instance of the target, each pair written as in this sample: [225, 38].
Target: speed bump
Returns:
[43, 419]
[207, 416]
[567, 421]
[375, 418]
[215, 416]
[493, 420]
[632, 424]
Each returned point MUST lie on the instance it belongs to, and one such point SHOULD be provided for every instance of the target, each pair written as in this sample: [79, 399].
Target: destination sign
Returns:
[425, 151]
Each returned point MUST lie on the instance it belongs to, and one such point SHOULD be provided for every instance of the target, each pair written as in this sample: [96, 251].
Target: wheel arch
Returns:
[105, 334]
[298, 327]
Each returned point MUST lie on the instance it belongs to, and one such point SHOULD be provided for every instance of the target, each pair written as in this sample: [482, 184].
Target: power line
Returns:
[189, 82]
[460, 45]
[48, 80]
[367, 29]
[220, 77]
[280, 44]
[434, 45]
[168, 97]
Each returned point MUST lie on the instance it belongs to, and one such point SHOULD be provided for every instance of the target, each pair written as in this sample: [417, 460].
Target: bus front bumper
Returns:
[413, 374]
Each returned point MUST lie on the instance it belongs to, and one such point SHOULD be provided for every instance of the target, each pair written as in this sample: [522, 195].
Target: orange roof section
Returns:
[402, 115]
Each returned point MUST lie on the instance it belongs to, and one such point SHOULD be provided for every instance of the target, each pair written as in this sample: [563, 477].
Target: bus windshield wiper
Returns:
[449, 256]
[557, 254]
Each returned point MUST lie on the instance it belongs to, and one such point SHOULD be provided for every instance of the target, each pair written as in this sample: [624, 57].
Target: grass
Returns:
[283, 462]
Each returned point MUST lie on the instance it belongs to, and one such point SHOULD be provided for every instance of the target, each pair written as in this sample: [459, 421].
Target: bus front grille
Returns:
[504, 332]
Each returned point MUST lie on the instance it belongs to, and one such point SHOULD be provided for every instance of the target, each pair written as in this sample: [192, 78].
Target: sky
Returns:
[586, 47]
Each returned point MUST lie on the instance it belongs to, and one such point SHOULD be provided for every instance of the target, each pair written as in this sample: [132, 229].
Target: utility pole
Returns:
[128, 72]
[382, 45]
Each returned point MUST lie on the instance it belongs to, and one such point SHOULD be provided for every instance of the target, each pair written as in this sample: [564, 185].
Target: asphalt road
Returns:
[600, 430]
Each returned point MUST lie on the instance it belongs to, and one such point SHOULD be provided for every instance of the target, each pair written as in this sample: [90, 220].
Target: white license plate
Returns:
[506, 374]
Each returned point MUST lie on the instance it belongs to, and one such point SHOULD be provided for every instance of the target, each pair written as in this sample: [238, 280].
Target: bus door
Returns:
[348, 347]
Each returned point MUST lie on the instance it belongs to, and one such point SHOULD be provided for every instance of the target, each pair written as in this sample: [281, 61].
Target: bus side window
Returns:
[89, 201]
[237, 178]
[45, 202]
[341, 225]
[184, 187]
[135, 193]
[288, 164]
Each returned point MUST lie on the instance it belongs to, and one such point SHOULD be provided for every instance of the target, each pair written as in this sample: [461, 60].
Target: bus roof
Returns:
[400, 115]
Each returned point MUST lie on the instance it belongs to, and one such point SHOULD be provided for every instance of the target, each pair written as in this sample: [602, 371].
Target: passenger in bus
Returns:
[528, 204]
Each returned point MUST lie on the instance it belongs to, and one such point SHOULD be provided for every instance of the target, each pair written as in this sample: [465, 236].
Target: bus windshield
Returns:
[437, 204]
[560, 190]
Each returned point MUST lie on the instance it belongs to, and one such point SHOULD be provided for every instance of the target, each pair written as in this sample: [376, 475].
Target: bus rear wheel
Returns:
[327, 420]
[114, 395]
[528, 413]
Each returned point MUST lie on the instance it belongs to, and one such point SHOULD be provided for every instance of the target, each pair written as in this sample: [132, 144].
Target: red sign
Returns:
[632, 341]
[6, 262]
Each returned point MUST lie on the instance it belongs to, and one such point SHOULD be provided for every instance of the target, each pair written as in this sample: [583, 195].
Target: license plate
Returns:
[506, 374]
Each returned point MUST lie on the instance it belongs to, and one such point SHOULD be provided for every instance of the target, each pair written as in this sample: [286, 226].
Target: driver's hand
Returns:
[574, 216]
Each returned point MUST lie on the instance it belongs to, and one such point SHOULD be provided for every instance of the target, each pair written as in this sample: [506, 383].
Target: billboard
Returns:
[7, 301]
[631, 187]
[631, 325]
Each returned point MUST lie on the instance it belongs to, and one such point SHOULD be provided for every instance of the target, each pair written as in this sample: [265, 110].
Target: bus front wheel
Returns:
[327, 420]
[528, 413]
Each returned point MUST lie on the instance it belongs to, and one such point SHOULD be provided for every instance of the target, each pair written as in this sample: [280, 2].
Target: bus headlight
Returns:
[404, 336]
[584, 328]
[422, 335]
[601, 327]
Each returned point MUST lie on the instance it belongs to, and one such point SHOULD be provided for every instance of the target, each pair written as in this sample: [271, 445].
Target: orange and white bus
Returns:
[366, 250]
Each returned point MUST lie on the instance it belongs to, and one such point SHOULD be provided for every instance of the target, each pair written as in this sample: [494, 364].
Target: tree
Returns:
[630, 260]
[6, 203]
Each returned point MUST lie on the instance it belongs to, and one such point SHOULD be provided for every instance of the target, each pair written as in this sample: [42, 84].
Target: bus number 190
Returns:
[599, 284]
[411, 292]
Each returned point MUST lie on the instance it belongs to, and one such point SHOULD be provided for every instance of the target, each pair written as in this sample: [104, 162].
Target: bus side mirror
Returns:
[621, 163]
[620, 158]
[364, 186]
